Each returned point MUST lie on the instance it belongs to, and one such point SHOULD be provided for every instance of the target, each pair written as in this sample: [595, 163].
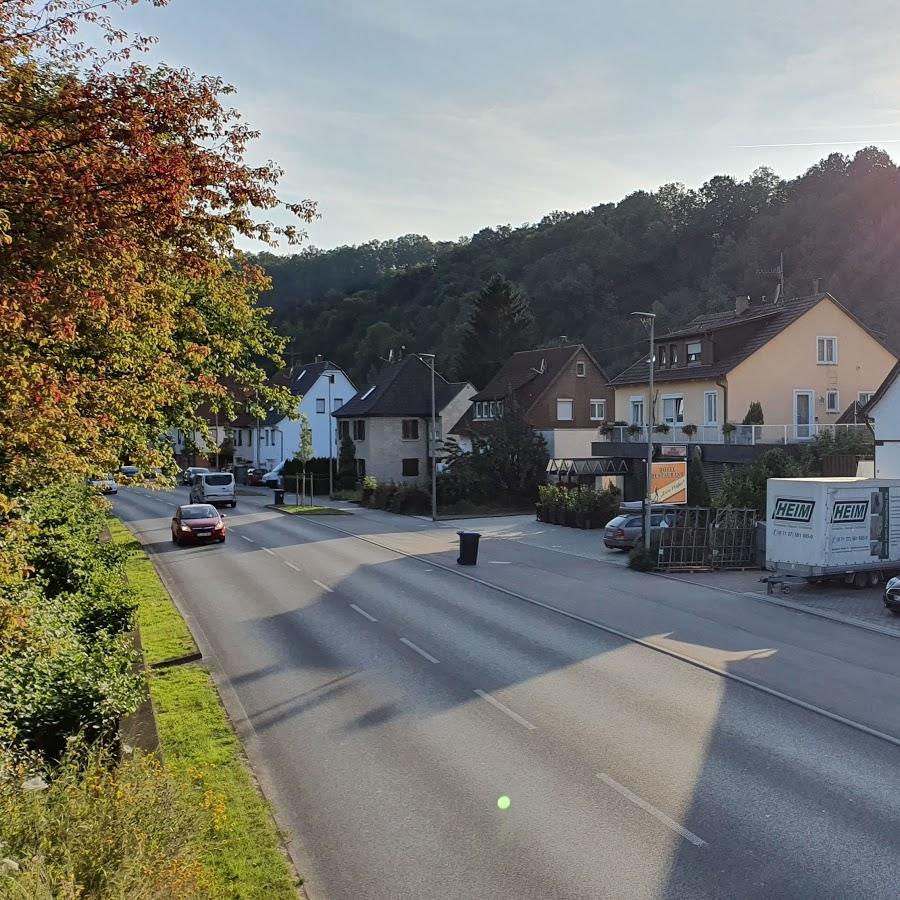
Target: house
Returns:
[390, 420]
[321, 387]
[230, 440]
[883, 411]
[562, 391]
[804, 361]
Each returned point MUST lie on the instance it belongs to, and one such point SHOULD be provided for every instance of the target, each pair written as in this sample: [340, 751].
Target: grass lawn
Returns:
[242, 847]
[314, 511]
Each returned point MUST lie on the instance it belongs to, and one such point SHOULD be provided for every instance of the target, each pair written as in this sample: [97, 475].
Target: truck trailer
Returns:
[828, 527]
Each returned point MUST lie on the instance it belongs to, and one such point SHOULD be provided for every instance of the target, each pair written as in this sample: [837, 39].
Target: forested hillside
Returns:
[678, 251]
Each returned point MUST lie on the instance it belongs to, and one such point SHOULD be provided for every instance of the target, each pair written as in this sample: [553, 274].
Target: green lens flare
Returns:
[503, 802]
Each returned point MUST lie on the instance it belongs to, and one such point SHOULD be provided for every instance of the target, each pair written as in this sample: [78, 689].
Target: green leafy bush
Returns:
[643, 560]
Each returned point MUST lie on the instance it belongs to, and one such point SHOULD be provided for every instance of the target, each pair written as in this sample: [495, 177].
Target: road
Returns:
[387, 704]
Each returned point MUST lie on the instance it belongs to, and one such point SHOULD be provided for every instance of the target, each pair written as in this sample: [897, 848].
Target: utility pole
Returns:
[432, 440]
[330, 377]
[648, 320]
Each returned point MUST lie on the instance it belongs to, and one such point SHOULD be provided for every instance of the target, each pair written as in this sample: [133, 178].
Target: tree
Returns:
[500, 323]
[754, 414]
[745, 487]
[697, 488]
[347, 463]
[124, 302]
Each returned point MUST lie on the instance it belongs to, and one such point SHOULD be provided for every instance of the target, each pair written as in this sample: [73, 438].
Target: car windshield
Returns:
[224, 478]
[199, 512]
[616, 522]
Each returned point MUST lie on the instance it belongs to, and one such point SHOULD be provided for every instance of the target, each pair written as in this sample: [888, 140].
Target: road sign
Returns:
[676, 451]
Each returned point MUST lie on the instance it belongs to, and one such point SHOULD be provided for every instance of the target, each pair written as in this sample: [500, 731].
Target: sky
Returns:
[442, 118]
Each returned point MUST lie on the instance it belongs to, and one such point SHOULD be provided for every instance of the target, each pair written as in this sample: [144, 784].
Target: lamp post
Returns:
[330, 377]
[432, 441]
[648, 320]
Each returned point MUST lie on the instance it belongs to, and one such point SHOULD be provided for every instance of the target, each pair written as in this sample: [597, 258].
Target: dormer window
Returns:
[694, 352]
[673, 354]
[662, 358]
[580, 369]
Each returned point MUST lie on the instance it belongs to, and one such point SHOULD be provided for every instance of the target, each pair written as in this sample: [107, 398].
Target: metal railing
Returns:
[741, 435]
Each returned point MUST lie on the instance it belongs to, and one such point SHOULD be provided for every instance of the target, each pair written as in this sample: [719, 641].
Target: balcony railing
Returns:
[742, 435]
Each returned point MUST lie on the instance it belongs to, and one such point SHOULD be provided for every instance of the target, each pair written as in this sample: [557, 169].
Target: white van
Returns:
[273, 479]
[214, 487]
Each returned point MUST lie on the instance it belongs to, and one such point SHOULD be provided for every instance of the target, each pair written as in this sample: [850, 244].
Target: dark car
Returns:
[187, 476]
[255, 476]
[625, 531]
[892, 596]
[197, 522]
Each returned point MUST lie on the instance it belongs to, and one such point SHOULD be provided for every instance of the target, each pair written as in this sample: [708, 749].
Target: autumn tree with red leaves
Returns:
[124, 302]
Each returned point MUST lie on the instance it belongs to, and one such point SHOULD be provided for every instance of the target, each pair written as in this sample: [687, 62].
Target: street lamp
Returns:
[432, 441]
[648, 320]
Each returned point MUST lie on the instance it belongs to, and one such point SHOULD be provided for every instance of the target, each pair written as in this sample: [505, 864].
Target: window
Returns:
[673, 354]
[343, 429]
[320, 405]
[240, 437]
[598, 410]
[662, 357]
[410, 467]
[359, 429]
[565, 410]
[864, 397]
[361, 467]
[338, 403]
[673, 410]
[637, 410]
[492, 412]
[410, 430]
[832, 401]
[266, 433]
[580, 369]
[710, 408]
[826, 351]
[694, 352]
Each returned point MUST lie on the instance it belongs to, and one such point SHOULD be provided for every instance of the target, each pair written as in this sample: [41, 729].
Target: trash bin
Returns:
[468, 547]
[279, 497]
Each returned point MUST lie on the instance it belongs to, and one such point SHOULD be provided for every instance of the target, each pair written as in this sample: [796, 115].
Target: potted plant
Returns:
[689, 429]
[633, 430]
[728, 429]
[662, 428]
[546, 502]
[570, 507]
[606, 428]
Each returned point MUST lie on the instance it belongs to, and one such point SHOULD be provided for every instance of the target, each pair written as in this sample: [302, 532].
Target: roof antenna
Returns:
[779, 272]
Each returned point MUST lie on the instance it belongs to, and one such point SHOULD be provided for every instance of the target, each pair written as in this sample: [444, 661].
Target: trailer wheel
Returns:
[861, 580]
[874, 579]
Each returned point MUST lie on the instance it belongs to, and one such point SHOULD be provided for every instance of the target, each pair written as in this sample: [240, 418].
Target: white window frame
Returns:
[662, 356]
[631, 404]
[698, 354]
[811, 425]
[836, 408]
[337, 403]
[715, 398]
[580, 369]
[402, 423]
[662, 409]
[867, 394]
[320, 404]
[355, 429]
[822, 344]
[571, 403]
[601, 404]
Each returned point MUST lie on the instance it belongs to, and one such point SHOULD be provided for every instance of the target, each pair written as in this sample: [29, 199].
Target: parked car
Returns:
[105, 484]
[187, 476]
[273, 479]
[213, 487]
[129, 471]
[625, 532]
[198, 522]
[892, 596]
[255, 476]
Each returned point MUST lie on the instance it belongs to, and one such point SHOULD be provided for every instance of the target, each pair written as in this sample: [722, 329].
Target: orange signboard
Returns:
[668, 482]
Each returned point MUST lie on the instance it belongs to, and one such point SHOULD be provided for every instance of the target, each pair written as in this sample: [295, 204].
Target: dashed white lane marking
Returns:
[419, 650]
[267, 550]
[290, 565]
[505, 709]
[248, 539]
[323, 586]
[499, 562]
[363, 613]
[649, 808]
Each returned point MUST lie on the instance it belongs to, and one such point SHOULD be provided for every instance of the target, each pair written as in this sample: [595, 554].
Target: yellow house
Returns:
[804, 361]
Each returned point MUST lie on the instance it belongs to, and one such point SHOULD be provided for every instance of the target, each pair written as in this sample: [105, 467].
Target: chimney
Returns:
[563, 340]
[318, 357]
[741, 304]
[816, 285]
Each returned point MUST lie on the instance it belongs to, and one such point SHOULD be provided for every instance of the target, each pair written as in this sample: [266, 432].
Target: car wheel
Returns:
[221, 540]
[234, 504]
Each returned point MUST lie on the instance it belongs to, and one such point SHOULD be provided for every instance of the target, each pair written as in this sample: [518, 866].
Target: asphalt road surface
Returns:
[426, 735]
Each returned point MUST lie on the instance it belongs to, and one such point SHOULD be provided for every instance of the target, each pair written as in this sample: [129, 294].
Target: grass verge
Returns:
[313, 511]
[243, 849]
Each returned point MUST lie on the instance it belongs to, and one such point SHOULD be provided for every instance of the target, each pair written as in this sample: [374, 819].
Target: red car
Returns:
[254, 476]
[198, 522]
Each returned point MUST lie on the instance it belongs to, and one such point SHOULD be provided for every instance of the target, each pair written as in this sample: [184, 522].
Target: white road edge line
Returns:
[290, 565]
[649, 808]
[248, 540]
[267, 550]
[323, 586]
[419, 650]
[505, 709]
[363, 613]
